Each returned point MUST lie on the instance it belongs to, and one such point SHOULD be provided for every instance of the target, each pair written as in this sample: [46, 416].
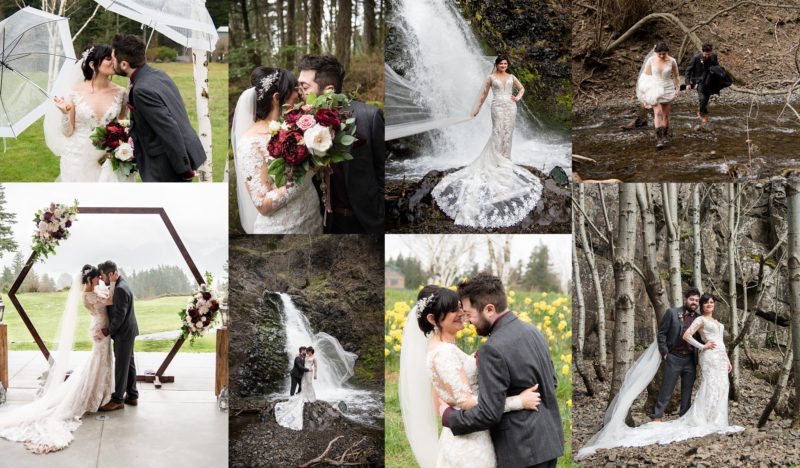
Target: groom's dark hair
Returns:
[302, 348]
[130, 49]
[483, 289]
[691, 292]
[107, 267]
[328, 70]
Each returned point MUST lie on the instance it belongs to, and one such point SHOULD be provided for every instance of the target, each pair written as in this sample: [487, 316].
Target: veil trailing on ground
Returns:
[243, 118]
[47, 420]
[416, 395]
[53, 136]
[648, 88]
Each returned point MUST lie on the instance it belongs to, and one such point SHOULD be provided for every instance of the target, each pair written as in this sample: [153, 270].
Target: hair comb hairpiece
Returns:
[86, 53]
[267, 83]
[423, 303]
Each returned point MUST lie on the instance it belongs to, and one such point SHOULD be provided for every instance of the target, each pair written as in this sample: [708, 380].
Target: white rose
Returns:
[284, 126]
[124, 122]
[57, 212]
[274, 127]
[318, 139]
[124, 152]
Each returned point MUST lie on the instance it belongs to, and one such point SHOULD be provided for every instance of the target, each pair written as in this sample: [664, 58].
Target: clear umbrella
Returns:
[186, 22]
[34, 48]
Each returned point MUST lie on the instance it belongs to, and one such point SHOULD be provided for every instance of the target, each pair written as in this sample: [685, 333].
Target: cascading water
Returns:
[447, 72]
[334, 366]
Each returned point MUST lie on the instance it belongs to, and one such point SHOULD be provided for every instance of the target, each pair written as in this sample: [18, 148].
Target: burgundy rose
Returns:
[214, 306]
[328, 118]
[292, 116]
[287, 145]
[48, 216]
[206, 295]
[192, 313]
[58, 234]
[68, 224]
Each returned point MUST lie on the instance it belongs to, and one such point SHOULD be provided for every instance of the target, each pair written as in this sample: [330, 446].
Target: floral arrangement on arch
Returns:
[52, 226]
[200, 313]
[115, 141]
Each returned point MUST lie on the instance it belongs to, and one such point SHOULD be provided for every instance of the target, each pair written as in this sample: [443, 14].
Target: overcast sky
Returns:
[199, 213]
[522, 245]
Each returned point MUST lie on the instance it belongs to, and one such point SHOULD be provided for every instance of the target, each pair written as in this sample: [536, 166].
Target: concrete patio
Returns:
[176, 426]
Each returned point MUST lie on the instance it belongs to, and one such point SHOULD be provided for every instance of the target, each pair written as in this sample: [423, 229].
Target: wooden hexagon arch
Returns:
[159, 376]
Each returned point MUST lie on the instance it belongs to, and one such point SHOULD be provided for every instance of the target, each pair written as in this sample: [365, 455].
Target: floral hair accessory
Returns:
[424, 303]
[267, 83]
[86, 53]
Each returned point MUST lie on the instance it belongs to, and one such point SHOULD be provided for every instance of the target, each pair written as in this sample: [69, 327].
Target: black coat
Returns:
[164, 142]
[364, 174]
[669, 331]
[697, 71]
[515, 357]
[299, 368]
[122, 323]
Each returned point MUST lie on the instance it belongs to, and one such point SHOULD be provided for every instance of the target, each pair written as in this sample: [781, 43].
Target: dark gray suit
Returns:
[515, 357]
[297, 372]
[669, 332]
[364, 174]
[123, 329]
[165, 144]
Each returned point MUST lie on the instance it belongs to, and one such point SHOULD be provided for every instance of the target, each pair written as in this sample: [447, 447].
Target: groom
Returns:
[298, 369]
[515, 357]
[680, 356]
[698, 75]
[123, 329]
[166, 147]
[357, 185]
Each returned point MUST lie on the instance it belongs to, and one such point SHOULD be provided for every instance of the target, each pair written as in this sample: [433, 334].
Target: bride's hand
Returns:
[62, 105]
[730, 367]
[531, 398]
[113, 277]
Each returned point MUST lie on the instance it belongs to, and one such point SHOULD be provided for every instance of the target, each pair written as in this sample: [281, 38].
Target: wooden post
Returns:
[222, 360]
[4, 355]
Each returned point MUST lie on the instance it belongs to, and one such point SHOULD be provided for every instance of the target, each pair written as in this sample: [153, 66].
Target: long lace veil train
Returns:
[243, 119]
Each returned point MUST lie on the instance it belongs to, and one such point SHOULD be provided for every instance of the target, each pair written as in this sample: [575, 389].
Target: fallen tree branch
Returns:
[322, 457]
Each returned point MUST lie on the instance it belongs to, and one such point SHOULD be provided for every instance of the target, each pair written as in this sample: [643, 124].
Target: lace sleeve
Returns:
[68, 119]
[518, 85]
[123, 107]
[484, 92]
[449, 378]
[92, 300]
[694, 328]
[265, 195]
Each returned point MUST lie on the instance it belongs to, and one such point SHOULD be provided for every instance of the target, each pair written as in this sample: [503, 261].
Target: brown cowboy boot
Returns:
[660, 138]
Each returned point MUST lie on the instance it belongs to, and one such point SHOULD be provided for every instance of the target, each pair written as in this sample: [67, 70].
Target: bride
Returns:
[46, 424]
[289, 413]
[263, 207]
[492, 191]
[657, 87]
[84, 102]
[435, 369]
[708, 414]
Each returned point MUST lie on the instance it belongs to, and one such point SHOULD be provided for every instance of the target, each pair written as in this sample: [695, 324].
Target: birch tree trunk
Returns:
[793, 193]
[669, 194]
[734, 376]
[200, 62]
[653, 285]
[598, 287]
[580, 307]
[694, 212]
[623, 282]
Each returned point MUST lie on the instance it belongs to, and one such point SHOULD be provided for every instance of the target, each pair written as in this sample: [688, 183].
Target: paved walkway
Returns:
[176, 426]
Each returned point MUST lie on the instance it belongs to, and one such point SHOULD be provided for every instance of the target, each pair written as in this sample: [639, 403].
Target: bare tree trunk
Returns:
[580, 306]
[291, 33]
[370, 30]
[793, 193]
[316, 27]
[200, 64]
[669, 194]
[653, 285]
[280, 16]
[344, 32]
[783, 379]
[694, 212]
[734, 376]
[624, 310]
[588, 252]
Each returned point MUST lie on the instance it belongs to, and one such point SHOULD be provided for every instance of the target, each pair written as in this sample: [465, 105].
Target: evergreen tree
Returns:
[7, 221]
[539, 275]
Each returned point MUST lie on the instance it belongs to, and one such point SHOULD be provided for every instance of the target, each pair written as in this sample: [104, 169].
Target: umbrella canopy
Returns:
[186, 22]
[35, 48]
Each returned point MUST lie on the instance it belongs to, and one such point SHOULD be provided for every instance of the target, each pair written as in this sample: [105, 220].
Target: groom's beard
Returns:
[482, 325]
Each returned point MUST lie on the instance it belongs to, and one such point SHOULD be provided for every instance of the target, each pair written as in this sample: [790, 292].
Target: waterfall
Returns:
[445, 79]
[334, 364]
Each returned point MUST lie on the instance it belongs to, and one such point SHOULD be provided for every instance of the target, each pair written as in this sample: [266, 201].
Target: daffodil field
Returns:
[551, 313]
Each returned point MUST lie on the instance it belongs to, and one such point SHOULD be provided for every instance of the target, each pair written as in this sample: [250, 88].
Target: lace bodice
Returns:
[661, 71]
[79, 158]
[502, 89]
[295, 210]
[454, 374]
[95, 303]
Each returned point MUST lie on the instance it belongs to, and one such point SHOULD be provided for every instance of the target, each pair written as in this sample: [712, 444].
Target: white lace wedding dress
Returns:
[289, 413]
[492, 191]
[46, 424]
[707, 415]
[79, 158]
[296, 212]
[658, 86]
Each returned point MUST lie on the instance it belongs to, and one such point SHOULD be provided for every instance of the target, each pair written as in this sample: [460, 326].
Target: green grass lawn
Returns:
[45, 310]
[28, 159]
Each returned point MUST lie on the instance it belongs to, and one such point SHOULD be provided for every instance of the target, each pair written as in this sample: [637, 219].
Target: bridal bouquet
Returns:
[201, 312]
[114, 139]
[312, 135]
[52, 226]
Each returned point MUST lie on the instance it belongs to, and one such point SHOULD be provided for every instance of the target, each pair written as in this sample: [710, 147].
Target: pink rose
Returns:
[305, 122]
[305, 107]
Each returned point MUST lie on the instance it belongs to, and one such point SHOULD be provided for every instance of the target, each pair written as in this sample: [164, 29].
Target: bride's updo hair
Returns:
[309, 350]
[443, 302]
[276, 80]
[705, 298]
[88, 273]
[500, 58]
[94, 56]
[661, 47]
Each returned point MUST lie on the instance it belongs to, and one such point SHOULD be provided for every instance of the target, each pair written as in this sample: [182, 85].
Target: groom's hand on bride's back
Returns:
[531, 398]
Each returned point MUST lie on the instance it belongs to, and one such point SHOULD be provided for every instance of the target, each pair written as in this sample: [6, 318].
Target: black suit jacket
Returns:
[669, 331]
[696, 73]
[364, 174]
[515, 357]
[299, 368]
[165, 144]
[121, 315]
